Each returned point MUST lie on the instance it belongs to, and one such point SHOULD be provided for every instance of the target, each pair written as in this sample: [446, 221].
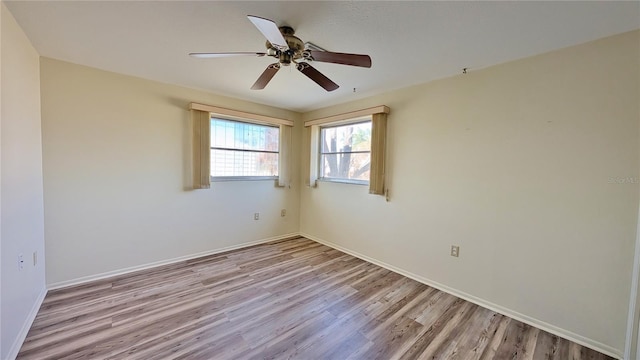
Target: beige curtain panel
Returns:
[314, 156]
[378, 151]
[201, 121]
[284, 157]
[306, 153]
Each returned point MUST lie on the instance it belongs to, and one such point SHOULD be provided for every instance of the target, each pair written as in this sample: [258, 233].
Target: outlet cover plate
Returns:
[455, 250]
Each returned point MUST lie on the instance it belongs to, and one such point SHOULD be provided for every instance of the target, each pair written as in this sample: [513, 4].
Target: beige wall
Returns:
[531, 167]
[21, 204]
[116, 154]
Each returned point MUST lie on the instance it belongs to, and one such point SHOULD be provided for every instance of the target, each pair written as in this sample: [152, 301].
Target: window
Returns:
[353, 152]
[240, 149]
[345, 152]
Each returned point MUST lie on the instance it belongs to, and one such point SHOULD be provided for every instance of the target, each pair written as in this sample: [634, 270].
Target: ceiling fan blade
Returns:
[266, 76]
[270, 30]
[222, 55]
[317, 76]
[341, 58]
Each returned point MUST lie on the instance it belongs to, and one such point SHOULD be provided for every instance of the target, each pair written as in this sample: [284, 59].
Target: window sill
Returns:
[242, 178]
[345, 181]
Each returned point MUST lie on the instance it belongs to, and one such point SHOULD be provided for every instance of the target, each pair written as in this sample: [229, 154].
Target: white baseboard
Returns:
[108, 274]
[579, 339]
[17, 344]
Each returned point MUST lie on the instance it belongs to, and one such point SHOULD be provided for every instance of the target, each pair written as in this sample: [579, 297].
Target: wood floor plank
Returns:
[431, 331]
[489, 352]
[195, 332]
[513, 341]
[465, 334]
[488, 329]
[288, 299]
[449, 332]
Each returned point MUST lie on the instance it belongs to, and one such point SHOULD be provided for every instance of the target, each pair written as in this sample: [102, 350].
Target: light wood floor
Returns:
[289, 299]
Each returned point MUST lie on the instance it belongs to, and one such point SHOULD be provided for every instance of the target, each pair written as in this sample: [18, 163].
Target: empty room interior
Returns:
[319, 180]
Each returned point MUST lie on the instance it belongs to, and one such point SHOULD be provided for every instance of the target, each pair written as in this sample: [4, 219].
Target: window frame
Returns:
[319, 165]
[250, 122]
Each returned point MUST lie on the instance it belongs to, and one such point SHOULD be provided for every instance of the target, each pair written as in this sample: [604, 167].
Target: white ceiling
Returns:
[409, 42]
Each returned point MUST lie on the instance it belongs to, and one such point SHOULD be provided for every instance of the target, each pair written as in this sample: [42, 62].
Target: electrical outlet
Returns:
[20, 262]
[35, 258]
[283, 212]
[256, 216]
[455, 250]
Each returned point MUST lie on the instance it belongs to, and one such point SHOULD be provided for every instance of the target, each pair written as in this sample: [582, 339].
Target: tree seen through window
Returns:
[346, 152]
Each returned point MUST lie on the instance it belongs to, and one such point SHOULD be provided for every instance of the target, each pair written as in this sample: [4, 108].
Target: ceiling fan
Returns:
[287, 48]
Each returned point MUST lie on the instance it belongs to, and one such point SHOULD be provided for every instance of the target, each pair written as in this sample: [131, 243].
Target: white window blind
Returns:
[240, 149]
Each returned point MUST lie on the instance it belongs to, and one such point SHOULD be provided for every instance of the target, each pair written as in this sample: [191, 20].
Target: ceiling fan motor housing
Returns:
[296, 47]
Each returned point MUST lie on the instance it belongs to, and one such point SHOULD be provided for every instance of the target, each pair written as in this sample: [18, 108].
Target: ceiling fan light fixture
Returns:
[285, 58]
